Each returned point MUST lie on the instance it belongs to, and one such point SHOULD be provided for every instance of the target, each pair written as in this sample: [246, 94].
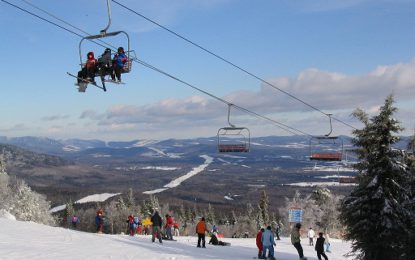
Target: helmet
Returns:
[120, 49]
[107, 50]
[298, 225]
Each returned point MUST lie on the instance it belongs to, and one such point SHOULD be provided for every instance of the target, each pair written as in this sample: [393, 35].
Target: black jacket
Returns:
[320, 245]
[156, 219]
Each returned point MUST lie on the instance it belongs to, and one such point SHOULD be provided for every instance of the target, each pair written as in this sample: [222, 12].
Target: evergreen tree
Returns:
[130, 201]
[69, 212]
[263, 209]
[374, 214]
[210, 215]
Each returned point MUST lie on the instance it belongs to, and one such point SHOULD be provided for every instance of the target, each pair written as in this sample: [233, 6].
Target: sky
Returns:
[335, 56]
[29, 240]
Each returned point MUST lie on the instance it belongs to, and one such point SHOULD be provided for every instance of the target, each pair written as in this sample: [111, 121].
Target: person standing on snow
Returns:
[296, 241]
[268, 242]
[320, 247]
[201, 229]
[259, 243]
[157, 224]
[310, 236]
[327, 242]
[99, 221]
[169, 227]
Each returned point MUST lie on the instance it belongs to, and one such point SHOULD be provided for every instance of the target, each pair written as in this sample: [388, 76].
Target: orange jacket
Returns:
[201, 227]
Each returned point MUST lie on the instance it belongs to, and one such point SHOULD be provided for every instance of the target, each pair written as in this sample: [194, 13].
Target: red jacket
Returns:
[258, 240]
[169, 221]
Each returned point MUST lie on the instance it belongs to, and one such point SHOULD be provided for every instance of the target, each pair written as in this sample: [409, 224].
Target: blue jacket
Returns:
[267, 238]
[120, 59]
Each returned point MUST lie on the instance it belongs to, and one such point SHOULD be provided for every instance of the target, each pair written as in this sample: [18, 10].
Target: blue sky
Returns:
[335, 55]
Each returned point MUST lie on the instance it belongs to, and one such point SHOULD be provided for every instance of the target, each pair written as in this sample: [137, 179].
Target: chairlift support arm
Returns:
[229, 115]
[331, 127]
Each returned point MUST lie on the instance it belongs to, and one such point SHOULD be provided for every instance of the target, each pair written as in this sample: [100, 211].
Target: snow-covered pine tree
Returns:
[263, 209]
[374, 214]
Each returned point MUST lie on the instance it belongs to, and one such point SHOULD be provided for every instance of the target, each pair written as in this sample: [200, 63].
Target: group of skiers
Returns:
[105, 65]
[265, 242]
[265, 239]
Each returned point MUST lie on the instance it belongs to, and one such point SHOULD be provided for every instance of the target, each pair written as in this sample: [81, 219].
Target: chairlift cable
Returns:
[278, 124]
[231, 63]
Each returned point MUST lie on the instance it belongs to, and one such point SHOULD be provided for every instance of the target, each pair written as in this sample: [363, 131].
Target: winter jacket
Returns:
[310, 233]
[120, 59]
[214, 240]
[295, 235]
[258, 240]
[169, 221]
[105, 60]
[156, 219]
[267, 238]
[98, 220]
[320, 245]
[91, 61]
[201, 227]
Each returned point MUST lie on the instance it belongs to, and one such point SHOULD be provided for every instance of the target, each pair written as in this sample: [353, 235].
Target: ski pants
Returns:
[319, 254]
[156, 230]
[201, 237]
[169, 234]
[270, 251]
[299, 249]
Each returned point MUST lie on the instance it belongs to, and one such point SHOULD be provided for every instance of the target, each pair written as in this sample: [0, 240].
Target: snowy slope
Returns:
[27, 240]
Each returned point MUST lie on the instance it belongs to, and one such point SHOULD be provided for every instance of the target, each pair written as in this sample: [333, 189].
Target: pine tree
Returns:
[210, 215]
[376, 220]
[263, 209]
[69, 212]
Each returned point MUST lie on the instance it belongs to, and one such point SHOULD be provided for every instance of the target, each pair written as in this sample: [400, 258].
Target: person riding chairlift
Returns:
[88, 71]
[119, 60]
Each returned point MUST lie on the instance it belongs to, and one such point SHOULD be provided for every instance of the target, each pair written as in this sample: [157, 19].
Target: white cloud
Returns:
[332, 92]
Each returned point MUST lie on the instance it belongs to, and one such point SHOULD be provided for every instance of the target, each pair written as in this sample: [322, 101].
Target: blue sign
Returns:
[295, 215]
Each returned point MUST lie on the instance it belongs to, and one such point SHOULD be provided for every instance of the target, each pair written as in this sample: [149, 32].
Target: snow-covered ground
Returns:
[313, 184]
[176, 182]
[28, 240]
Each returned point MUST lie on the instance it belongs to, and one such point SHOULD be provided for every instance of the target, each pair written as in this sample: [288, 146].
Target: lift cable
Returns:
[279, 124]
[231, 63]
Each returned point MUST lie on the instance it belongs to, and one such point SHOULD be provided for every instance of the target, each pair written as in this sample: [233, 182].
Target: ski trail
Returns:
[176, 182]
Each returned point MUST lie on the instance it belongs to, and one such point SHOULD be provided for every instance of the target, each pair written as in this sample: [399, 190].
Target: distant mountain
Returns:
[14, 157]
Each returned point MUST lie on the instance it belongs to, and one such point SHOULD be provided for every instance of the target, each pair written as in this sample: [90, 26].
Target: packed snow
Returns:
[28, 240]
[176, 182]
[314, 184]
[170, 155]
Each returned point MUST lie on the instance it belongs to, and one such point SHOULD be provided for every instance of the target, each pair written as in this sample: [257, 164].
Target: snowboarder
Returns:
[200, 230]
[157, 224]
[310, 236]
[216, 242]
[295, 240]
[320, 247]
[259, 243]
[268, 242]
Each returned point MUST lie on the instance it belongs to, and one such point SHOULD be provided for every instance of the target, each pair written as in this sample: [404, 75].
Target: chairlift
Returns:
[326, 148]
[232, 139]
[99, 72]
